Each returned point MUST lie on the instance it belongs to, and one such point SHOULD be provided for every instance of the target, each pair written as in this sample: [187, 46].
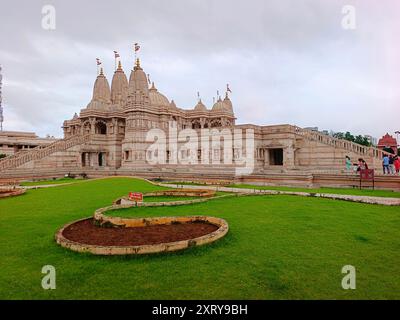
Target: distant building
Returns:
[387, 141]
[372, 140]
[12, 142]
[312, 128]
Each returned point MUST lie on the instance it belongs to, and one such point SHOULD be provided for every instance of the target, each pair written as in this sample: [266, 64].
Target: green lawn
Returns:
[350, 191]
[51, 181]
[278, 247]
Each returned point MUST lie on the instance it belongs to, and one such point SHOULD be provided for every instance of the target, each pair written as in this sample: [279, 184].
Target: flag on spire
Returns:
[137, 47]
[228, 89]
[98, 61]
[116, 54]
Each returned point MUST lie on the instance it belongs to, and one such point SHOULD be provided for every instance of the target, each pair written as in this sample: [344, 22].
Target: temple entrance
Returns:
[83, 159]
[101, 159]
[276, 157]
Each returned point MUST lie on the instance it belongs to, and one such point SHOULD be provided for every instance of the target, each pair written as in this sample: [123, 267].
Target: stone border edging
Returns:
[11, 192]
[146, 249]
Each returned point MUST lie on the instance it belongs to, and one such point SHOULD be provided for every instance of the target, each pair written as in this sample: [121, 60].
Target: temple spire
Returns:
[119, 66]
[137, 64]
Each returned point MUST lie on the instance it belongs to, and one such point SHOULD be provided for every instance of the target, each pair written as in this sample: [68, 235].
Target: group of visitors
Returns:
[391, 164]
[356, 167]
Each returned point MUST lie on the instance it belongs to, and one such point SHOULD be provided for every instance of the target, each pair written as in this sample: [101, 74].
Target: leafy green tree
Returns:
[362, 140]
[349, 137]
[387, 149]
[338, 135]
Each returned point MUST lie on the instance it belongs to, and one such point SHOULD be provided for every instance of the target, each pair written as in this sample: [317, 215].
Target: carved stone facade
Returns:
[108, 137]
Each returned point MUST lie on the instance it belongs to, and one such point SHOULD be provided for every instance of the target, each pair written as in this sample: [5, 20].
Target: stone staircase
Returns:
[374, 155]
[18, 159]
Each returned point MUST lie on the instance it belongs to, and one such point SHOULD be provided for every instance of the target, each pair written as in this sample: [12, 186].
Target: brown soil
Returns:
[86, 232]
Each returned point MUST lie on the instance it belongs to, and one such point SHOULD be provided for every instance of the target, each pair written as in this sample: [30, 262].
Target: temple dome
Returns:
[101, 93]
[119, 87]
[218, 106]
[200, 106]
[228, 104]
[138, 80]
[157, 98]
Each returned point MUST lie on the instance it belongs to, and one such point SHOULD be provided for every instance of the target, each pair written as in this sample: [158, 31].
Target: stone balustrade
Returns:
[38, 153]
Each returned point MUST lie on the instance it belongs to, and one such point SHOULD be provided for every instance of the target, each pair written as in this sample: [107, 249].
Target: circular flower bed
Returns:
[108, 235]
[141, 235]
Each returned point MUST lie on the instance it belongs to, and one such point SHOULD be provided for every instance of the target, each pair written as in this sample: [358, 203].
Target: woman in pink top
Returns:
[396, 163]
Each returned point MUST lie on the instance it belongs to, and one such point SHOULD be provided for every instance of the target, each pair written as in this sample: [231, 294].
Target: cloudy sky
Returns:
[287, 61]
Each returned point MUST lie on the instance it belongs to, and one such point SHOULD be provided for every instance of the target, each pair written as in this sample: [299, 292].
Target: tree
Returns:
[338, 135]
[362, 140]
[387, 149]
[349, 137]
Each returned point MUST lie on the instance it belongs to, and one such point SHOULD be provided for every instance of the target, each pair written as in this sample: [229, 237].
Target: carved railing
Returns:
[340, 143]
[40, 152]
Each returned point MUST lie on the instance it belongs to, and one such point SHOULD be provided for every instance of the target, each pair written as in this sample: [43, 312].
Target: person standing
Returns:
[391, 164]
[396, 163]
[348, 164]
[364, 164]
[385, 163]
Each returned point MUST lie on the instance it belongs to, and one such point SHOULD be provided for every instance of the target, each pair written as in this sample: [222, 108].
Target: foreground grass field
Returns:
[278, 247]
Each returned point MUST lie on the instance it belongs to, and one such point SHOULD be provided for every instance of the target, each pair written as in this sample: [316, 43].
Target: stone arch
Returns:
[216, 123]
[100, 127]
[196, 124]
[86, 127]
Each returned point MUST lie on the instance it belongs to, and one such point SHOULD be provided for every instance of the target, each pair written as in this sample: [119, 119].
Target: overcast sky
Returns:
[287, 61]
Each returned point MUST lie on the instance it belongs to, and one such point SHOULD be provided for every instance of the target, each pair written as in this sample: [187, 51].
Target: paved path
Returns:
[362, 199]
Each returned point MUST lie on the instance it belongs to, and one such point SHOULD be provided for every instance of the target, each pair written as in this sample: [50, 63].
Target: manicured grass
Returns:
[278, 247]
[51, 181]
[350, 191]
